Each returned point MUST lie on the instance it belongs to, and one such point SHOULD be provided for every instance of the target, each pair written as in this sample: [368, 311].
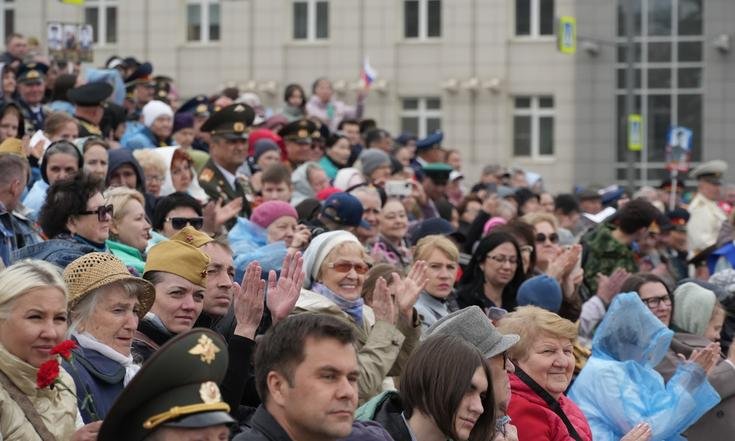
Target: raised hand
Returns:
[283, 294]
[223, 213]
[383, 304]
[248, 301]
[641, 432]
[408, 289]
[706, 357]
[609, 286]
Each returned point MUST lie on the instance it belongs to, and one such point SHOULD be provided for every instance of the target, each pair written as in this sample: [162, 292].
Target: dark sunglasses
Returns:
[180, 222]
[346, 267]
[101, 212]
[541, 238]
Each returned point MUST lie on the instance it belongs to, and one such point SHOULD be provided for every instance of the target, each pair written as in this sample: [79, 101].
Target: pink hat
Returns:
[265, 213]
[492, 223]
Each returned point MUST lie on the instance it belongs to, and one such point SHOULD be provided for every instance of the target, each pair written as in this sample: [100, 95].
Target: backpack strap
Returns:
[27, 407]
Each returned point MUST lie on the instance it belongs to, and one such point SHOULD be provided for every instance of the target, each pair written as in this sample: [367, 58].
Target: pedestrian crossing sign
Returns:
[566, 35]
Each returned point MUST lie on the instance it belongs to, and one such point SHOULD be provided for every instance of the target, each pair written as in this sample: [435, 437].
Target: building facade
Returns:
[487, 72]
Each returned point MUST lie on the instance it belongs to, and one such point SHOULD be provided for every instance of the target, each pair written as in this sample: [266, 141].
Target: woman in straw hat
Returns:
[33, 321]
[105, 304]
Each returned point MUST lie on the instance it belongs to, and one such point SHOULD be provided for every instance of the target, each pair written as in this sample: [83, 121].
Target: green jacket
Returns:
[604, 254]
[130, 256]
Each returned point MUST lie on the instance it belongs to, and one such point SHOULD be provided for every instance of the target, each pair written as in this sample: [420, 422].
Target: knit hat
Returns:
[724, 279]
[183, 121]
[179, 258]
[492, 223]
[319, 249]
[474, 327]
[96, 270]
[372, 159]
[153, 110]
[694, 306]
[348, 178]
[542, 291]
[264, 145]
[267, 212]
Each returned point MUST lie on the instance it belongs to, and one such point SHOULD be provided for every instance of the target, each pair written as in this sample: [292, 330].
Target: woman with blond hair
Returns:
[441, 258]
[130, 229]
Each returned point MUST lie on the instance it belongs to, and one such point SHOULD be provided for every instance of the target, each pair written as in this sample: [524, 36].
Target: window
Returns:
[7, 9]
[421, 116]
[668, 80]
[533, 126]
[102, 15]
[422, 19]
[310, 20]
[202, 20]
[534, 17]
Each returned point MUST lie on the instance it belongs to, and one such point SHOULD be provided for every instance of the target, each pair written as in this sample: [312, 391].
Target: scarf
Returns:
[353, 308]
[87, 341]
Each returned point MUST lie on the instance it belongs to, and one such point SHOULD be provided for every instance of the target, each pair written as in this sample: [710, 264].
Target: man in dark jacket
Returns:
[306, 374]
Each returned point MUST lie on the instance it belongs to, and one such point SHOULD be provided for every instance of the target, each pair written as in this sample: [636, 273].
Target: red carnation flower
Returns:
[64, 349]
[47, 374]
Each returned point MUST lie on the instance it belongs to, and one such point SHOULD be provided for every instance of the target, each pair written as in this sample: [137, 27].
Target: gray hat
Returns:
[710, 171]
[372, 159]
[473, 326]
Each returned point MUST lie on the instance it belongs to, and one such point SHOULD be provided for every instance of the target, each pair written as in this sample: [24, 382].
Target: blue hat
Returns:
[344, 209]
[433, 140]
[434, 225]
[542, 291]
[612, 195]
[405, 137]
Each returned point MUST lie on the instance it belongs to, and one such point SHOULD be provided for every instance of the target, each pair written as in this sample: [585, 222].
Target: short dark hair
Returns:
[635, 215]
[436, 378]
[65, 199]
[9, 37]
[12, 167]
[275, 174]
[348, 121]
[523, 230]
[566, 204]
[634, 282]
[375, 135]
[282, 347]
[168, 203]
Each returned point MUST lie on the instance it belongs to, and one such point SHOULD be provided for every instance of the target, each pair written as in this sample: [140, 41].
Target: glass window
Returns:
[657, 128]
[637, 17]
[533, 126]
[214, 20]
[690, 51]
[410, 124]
[546, 134]
[659, 78]
[411, 18]
[659, 52]
[546, 17]
[546, 102]
[690, 115]
[194, 22]
[523, 17]
[522, 136]
[322, 20]
[636, 76]
[433, 124]
[690, 17]
[522, 102]
[690, 78]
[300, 20]
[9, 22]
[433, 103]
[659, 17]
[111, 30]
[410, 103]
[623, 50]
[420, 116]
[434, 18]
[91, 17]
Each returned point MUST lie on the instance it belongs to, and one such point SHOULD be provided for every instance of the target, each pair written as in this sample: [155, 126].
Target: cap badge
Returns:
[316, 134]
[201, 108]
[209, 392]
[238, 127]
[33, 74]
[206, 349]
[239, 108]
[303, 133]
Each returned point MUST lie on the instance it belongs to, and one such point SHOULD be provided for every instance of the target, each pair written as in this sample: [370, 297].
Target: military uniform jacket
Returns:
[705, 219]
[87, 128]
[604, 255]
[216, 186]
[33, 120]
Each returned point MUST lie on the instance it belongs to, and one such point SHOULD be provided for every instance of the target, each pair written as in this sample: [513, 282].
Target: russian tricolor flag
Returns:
[367, 74]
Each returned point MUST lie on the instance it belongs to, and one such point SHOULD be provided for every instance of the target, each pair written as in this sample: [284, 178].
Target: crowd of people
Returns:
[214, 270]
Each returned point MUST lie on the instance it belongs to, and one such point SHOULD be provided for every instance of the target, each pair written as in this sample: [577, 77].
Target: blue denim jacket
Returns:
[60, 251]
[16, 232]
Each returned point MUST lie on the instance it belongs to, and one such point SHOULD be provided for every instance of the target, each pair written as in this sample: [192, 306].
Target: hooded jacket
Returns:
[119, 157]
[619, 388]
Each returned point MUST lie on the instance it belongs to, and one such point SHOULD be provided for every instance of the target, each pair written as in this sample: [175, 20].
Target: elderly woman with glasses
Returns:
[335, 266]
[493, 275]
[75, 219]
[130, 229]
[105, 305]
[33, 321]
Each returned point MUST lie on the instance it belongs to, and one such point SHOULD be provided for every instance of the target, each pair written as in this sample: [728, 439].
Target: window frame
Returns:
[423, 24]
[311, 22]
[536, 113]
[5, 7]
[535, 22]
[422, 113]
[101, 26]
[204, 24]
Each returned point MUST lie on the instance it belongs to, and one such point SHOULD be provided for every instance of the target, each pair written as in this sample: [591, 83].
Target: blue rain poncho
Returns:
[619, 388]
[249, 242]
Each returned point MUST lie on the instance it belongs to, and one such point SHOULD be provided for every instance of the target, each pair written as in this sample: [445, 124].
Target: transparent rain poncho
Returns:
[619, 388]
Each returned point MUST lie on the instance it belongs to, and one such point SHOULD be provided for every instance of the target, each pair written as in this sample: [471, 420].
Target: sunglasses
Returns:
[180, 222]
[101, 212]
[346, 267]
[541, 238]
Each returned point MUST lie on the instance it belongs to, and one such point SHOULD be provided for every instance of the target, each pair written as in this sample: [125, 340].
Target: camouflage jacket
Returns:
[603, 254]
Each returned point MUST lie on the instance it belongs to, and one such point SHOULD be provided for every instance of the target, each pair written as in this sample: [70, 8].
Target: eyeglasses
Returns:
[101, 212]
[527, 249]
[654, 302]
[346, 267]
[541, 238]
[180, 222]
[500, 259]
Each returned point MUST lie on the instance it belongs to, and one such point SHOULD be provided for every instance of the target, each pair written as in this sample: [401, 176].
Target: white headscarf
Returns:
[319, 249]
[194, 190]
